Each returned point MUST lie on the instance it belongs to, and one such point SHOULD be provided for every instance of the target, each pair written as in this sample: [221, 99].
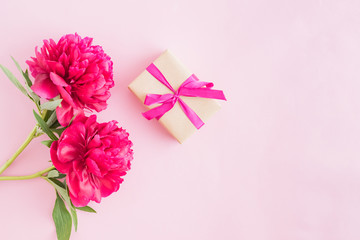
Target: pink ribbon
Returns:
[192, 87]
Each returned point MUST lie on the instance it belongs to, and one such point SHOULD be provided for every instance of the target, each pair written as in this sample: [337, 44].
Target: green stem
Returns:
[31, 136]
[35, 175]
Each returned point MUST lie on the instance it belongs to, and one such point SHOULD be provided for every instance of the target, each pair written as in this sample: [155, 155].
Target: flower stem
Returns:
[21, 148]
[35, 175]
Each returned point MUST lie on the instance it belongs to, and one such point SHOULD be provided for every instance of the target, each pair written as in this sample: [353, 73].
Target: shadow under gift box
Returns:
[175, 120]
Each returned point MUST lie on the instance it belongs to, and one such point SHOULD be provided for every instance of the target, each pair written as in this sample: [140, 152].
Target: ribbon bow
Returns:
[192, 87]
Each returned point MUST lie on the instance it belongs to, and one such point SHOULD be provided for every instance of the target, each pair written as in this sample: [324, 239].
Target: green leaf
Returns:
[72, 208]
[53, 174]
[59, 183]
[17, 65]
[25, 74]
[47, 114]
[52, 119]
[60, 188]
[14, 80]
[47, 142]
[59, 131]
[45, 127]
[28, 84]
[86, 209]
[35, 98]
[27, 79]
[51, 105]
[74, 217]
[29, 92]
[62, 219]
[64, 193]
[61, 176]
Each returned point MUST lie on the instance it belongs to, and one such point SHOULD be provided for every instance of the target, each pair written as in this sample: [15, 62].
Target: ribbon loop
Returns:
[191, 87]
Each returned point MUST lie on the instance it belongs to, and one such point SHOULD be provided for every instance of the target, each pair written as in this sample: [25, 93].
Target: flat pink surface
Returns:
[280, 161]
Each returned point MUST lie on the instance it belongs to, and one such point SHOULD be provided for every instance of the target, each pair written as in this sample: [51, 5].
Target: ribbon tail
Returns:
[158, 112]
[193, 117]
[202, 92]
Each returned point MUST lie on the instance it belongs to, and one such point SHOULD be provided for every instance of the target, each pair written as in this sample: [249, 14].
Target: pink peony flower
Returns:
[94, 156]
[79, 72]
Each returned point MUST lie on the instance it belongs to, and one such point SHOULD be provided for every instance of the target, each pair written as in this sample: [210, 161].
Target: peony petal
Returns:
[95, 142]
[98, 162]
[78, 198]
[64, 60]
[98, 106]
[93, 68]
[66, 96]
[109, 184]
[61, 166]
[81, 191]
[57, 80]
[56, 67]
[93, 167]
[70, 152]
[41, 60]
[44, 87]
[66, 112]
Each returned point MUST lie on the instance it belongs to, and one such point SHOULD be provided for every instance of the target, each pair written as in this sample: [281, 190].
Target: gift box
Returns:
[175, 96]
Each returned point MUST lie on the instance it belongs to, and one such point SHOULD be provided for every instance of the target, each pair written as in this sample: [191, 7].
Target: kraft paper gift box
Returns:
[175, 120]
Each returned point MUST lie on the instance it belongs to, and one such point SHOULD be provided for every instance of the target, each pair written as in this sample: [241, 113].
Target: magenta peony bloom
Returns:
[94, 156]
[79, 72]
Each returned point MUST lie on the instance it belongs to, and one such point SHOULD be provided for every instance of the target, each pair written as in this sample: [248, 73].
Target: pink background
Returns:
[280, 161]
